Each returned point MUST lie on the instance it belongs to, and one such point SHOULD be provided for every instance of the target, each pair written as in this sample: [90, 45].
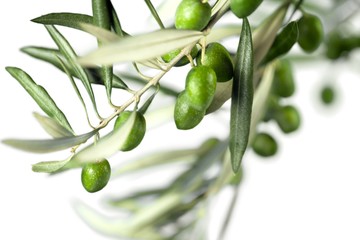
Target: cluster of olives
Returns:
[95, 176]
[215, 65]
[286, 116]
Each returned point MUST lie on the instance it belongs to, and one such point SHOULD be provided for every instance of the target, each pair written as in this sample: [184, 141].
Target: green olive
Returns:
[311, 32]
[200, 86]
[288, 118]
[327, 95]
[264, 145]
[95, 176]
[218, 58]
[137, 133]
[284, 84]
[192, 15]
[185, 115]
[184, 60]
[243, 8]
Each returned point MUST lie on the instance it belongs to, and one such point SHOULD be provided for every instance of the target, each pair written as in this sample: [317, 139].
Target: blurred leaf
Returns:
[242, 97]
[141, 47]
[71, 20]
[187, 182]
[50, 166]
[148, 101]
[103, 35]
[264, 35]
[40, 95]
[70, 56]
[113, 227]
[165, 157]
[222, 32]
[107, 145]
[48, 145]
[52, 127]
[51, 56]
[261, 99]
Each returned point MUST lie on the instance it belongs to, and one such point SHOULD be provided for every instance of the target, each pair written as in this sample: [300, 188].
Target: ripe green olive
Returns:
[95, 176]
[288, 118]
[137, 133]
[200, 87]
[168, 57]
[185, 115]
[243, 8]
[192, 15]
[284, 84]
[264, 145]
[311, 32]
[218, 58]
[327, 94]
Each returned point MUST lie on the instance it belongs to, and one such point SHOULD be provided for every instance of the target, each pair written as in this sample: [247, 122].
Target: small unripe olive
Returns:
[284, 84]
[168, 57]
[192, 15]
[95, 176]
[243, 8]
[218, 58]
[137, 132]
[288, 118]
[327, 95]
[185, 115]
[200, 87]
[264, 145]
[311, 32]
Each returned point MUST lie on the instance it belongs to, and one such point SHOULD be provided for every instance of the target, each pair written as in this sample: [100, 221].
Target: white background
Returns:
[310, 190]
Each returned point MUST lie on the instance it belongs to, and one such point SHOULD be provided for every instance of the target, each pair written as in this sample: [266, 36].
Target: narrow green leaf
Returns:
[50, 166]
[101, 16]
[106, 146]
[40, 95]
[283, 42]
[48, 145]
[154, 13]
[52, 127]
[242, 97]
[115, 22]
[71, 20]
[51, 55]
[68, 73]
[141, 47]
[70, 55]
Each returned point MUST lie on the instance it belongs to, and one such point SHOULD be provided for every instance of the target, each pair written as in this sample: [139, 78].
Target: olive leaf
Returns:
[265, 34]
[52, 127]
[107, 145]
[70, 55]
[242, 97]
[50, 166]
[154, 13]
[141, 47]
[283, 42]
[40, 95]
[71, 20]
[48, 145]
[51, 56]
